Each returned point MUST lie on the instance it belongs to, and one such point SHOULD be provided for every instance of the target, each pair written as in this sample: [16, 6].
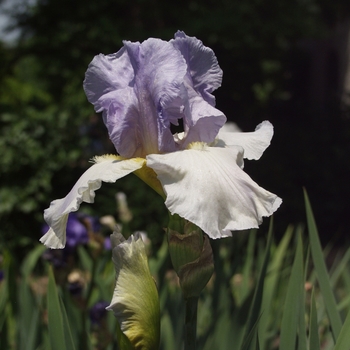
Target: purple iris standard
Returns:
[144, 88]
[141, 91]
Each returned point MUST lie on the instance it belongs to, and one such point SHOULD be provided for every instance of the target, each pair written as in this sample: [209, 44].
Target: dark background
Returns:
[285, 61]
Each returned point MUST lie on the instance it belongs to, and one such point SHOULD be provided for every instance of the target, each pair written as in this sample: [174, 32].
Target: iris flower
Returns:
[141, 91]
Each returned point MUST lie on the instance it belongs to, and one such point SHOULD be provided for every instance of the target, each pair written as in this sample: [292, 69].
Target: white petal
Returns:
[253, 143]
[230, 127]
[207, 187]
[106, 169]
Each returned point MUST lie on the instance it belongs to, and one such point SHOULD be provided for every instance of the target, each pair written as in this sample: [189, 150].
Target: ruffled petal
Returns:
[107, 73]
[120, 108]
[138, 109]
[135, 299]
[201, 120]
[107, 169]
[206, 186]
[159, 72]
[203, 66]
[253, 143]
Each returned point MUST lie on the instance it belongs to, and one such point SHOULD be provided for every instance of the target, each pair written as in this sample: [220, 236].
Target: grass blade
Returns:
[314, 341]
[321, 271]
[247, 267]
[343, 340]
[270, 286]
[28, 318]
[340, 267]
[289, 326]
[31, 260]
[60, 338]
[255, 310]
[167, 334]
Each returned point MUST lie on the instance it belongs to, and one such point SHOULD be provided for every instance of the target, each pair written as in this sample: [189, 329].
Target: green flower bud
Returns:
[135, 299]
[191, 255]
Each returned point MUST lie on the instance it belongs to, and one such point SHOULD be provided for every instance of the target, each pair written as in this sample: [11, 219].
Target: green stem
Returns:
[191, 323]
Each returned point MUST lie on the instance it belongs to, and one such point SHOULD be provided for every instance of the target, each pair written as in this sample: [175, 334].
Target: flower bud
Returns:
[135, 299]
[125, 215]
[192, 257]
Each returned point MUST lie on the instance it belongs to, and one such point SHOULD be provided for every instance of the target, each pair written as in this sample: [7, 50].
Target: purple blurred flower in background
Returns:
[98, 311]
[92, 223]
[107, 245]
[75, 288]
[76, 282]
[1, 275]
[58, 258]
[77, 233]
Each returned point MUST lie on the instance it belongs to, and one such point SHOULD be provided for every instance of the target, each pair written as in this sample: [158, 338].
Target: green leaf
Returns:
[292, 306]
[302, 339]
[85, 258]
[11, 283]
[31, 259]
[60, 338]
[4, 339]
[67, 331]
[321, 271]
[77, 318]
[340, 268]
[255, 310]
[270, 286]
[28, 318]
[168, 340]
[314, 341]
[251, 341]
[343, 340]
[224, 335]
[3, 302]
[248, 267]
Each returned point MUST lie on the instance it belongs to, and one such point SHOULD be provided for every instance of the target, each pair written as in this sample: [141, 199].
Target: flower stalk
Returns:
[191, 305]
[192, 259]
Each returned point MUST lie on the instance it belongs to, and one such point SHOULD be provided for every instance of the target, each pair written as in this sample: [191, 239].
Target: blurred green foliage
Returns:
[264, 295]
[48, 130]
